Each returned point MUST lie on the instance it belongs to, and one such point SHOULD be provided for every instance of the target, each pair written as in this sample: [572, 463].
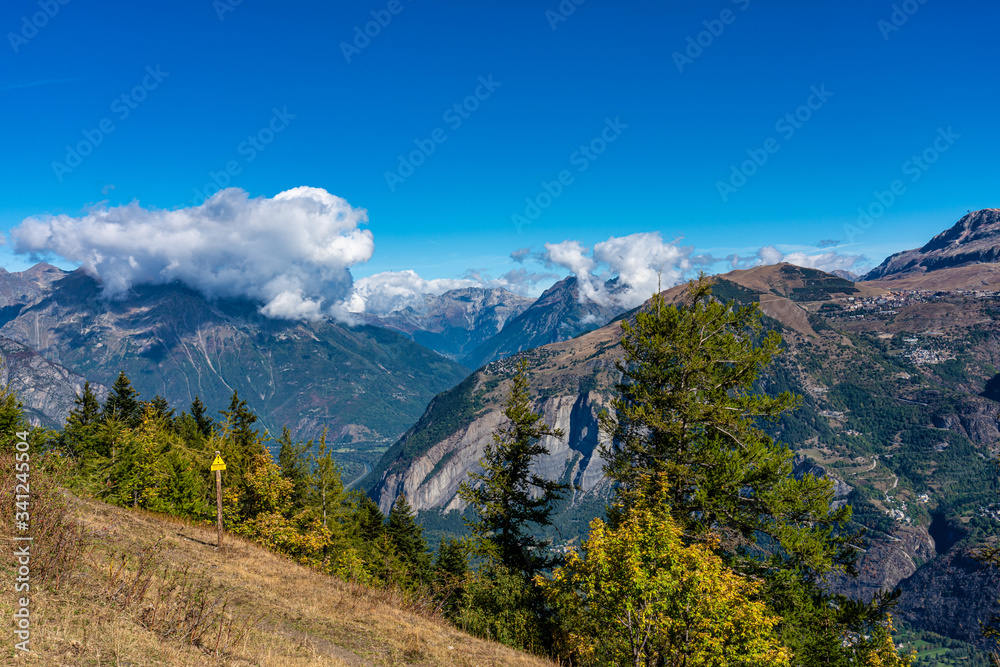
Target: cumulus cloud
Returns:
[389, 291]
[769, 255]
[824, 261]
[522, 281]
[520, 254]
[383, 293]
[292, 252]
[641, 261]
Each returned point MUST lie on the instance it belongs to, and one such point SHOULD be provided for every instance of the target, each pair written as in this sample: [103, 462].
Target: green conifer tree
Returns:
[407, 538]
[510, 497]
[240, 421]
[202, 419]
[122, 403]
[184, 491]
[80, 437]
[367, 520]
[294, 466]
[137, 475]
[324, 479]
[451, 567]
[161, 408]
[12, 418]
[687, 413]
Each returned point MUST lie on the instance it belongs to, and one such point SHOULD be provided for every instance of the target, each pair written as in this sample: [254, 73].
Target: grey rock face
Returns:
[431, 480]
[557, 315]
[974, 239]
[47, 390]
[456, 322]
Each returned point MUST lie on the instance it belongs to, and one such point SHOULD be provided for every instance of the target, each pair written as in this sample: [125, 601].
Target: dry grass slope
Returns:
[243, 605]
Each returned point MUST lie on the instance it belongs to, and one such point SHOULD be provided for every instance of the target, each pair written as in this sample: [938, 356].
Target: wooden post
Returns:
[218, 501]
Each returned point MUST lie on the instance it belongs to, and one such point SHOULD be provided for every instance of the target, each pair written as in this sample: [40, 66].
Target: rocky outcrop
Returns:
[456, 322]
[559, 314]
[975, 239]
[47, 390]
[886, 561]
[975, 418]
[431, 479]
[950, 595]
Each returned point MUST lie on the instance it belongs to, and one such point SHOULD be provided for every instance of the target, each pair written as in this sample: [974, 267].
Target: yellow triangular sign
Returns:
[218, 464]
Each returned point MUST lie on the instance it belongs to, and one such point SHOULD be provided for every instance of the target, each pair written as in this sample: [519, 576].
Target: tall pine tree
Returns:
[511, 499]
[688, 415]
[201, 417]
[407, 537]
[80, 438]
[122, 403]
[327, 487]
[294, 466]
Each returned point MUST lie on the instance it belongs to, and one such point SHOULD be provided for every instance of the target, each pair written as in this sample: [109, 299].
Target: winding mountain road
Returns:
[368, 469]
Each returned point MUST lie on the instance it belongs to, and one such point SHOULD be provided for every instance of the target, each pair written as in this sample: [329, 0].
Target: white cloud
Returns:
[824, 261]
[383, 293]
[769, 255]
[641, 261]
[292, 252]
[386, 292]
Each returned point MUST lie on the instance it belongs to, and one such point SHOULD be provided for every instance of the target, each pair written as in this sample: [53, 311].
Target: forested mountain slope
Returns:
[898, 407]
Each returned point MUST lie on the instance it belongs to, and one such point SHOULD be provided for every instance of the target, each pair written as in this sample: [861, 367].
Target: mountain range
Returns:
[971, 241]
[366, 383]
[457, 322]
[900, 379]
[899, 374]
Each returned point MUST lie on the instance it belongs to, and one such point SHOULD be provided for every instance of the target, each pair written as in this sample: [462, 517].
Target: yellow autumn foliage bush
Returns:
[640, 595]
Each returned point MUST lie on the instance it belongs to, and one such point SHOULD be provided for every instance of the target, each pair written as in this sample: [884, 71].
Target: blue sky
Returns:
[212, 74]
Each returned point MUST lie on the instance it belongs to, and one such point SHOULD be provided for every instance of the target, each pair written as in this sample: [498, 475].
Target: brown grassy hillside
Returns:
[144, 589]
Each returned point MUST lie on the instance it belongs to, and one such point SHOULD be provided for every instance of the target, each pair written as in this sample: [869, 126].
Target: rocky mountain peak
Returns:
[975, 239]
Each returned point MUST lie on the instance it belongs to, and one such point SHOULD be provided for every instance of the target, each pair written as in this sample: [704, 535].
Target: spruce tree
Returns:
[367, 519]
[185, 489]
[294, 466]
[161, 409]
[201, 417]
[80, 436]
[328, 489]
[510, 497]
[240, 421]
[11, 418]
[87, 410]
[122, 403]
[406, 536]
[248, 461]
[138, 472]
[451, 567]
[688, 415]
